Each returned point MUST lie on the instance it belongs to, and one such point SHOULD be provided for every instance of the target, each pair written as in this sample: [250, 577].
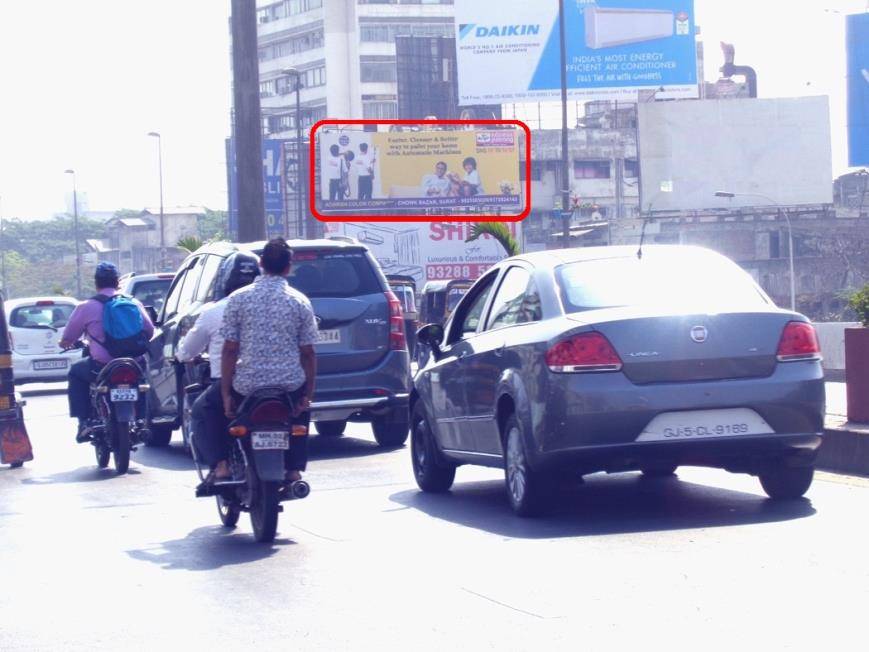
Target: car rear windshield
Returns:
[671, 280]
[48, 315]
[152, 293]
[405, 295]
[335, 273]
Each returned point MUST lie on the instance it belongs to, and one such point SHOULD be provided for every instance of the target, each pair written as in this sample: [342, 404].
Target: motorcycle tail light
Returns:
[123, 376]
[270, 412]
[798, 342]
[583, 353]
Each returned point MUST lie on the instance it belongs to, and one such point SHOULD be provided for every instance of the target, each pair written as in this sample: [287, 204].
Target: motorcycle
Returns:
[262, 433]
[115, 427]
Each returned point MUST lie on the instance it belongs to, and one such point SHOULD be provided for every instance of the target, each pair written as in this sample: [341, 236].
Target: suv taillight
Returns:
[123, 376]
[397, 336]
[798, 342]
[583, 353]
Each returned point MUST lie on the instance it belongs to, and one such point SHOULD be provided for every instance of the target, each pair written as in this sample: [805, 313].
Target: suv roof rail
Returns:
[343, 238]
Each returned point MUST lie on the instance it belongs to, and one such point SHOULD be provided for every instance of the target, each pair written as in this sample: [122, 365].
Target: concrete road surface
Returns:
[90, 561]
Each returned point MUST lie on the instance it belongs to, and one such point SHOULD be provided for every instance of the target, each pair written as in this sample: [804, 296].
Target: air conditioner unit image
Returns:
[610, 27]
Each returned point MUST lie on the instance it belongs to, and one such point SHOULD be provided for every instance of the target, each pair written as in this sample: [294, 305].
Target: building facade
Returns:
[350, 43]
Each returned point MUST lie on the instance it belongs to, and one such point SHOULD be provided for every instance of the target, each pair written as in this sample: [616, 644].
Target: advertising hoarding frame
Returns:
[355, 217]
[857, 29]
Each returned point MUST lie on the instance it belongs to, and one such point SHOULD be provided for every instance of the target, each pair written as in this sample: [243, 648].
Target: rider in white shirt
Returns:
[209, 424]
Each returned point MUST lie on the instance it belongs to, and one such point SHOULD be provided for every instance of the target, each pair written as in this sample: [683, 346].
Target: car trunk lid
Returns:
[36, 328]
[661, 347]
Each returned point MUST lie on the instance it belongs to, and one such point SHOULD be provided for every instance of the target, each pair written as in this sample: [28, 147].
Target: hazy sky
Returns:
[83, 81]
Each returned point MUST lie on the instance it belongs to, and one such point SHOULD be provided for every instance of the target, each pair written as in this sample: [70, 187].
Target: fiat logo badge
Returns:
[699, 334]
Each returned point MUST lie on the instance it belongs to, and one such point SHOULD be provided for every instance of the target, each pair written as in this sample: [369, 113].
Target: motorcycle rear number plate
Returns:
[124, 395]
[705, 424]
[332, 336]
[42, 365]
[268, 441]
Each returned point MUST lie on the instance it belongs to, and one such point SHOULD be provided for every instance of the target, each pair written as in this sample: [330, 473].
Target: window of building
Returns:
[775, 244]
[386, 32]
[380, 110]
[267, 88]
[536, 170]
[591, 169]
[293, 45]
[632, 168]
[377, 71]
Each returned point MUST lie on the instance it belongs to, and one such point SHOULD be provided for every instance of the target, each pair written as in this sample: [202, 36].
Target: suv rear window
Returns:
[49, 315]
[152, 293]
[325, 273]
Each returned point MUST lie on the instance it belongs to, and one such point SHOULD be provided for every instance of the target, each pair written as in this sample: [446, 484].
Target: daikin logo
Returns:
[484, 31]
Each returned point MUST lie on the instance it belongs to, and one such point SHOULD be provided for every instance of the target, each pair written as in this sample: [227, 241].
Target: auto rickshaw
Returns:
[15, 447]
[436, 304]
[404, 287]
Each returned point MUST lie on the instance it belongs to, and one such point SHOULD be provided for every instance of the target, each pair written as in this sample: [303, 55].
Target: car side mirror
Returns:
[432, 335]
[152, 314]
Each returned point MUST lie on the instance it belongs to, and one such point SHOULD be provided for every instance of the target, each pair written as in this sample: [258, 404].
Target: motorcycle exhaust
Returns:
[300, 489]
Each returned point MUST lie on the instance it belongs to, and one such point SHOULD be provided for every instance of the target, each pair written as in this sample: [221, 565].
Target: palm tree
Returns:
[189, 244]
[497, 230]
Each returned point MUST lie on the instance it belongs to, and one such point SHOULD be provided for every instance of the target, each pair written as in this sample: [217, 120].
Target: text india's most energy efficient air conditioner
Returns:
[609, 27]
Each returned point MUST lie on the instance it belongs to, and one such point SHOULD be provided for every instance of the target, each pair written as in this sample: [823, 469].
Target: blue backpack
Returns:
[123, 326]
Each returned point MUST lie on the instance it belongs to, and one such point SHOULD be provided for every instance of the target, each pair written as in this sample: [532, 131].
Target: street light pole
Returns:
[565, 159]
[779, 212]
[300, 177]
[159, 138]
[75, 234]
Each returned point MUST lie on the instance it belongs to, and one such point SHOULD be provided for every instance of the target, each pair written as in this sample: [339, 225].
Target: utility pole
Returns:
[565, 157]
[247, 127]
[154, 134]
[75, 235]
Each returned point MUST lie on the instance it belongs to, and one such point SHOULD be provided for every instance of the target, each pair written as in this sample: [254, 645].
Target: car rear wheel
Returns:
[331, 428]
[432, 473]
[527, 489]
[390, 430]
[660, 470]
[159, 435]
[786, 483]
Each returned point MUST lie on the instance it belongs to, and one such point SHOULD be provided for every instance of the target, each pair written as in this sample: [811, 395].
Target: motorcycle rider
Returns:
[209, 421]
[270, 331]
[87, 321]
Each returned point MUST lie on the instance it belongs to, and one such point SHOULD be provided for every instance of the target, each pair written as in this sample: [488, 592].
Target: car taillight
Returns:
[397, 336]
[123, 376]
[798, 342]
[587, 352]
[270, 412]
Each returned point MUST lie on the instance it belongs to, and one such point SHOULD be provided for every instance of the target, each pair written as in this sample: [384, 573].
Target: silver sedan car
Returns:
[610, 359]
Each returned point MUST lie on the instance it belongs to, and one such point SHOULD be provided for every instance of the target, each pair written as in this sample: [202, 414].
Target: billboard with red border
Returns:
[419, 170]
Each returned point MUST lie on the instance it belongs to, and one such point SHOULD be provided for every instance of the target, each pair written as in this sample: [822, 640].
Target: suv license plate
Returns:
[332, 336]
[270, 440]
[124, 395]
[44, 365]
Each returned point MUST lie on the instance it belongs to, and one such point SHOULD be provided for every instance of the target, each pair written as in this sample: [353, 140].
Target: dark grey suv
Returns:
[363, 367]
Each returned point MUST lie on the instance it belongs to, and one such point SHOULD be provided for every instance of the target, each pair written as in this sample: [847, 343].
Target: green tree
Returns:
[497, 230]
[189, 244]
[212, 226]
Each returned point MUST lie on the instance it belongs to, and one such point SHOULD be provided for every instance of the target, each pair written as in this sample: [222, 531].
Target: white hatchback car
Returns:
[35, 327]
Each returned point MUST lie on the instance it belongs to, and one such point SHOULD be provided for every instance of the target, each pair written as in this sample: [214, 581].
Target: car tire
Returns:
[786, 483]
[331, 428]
[660, 470]
[391, 430]
[432, 473]
[158, 436]
[527, 490]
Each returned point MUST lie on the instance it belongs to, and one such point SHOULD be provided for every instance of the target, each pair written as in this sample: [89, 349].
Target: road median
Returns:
[845, 448]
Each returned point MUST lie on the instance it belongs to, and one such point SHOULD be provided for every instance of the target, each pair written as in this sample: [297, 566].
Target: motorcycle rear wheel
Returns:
[228, 512]
[121, 442]
[102, 453]
[264, 509]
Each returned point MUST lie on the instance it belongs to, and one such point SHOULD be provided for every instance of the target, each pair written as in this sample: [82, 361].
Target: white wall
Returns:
[832, 338]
